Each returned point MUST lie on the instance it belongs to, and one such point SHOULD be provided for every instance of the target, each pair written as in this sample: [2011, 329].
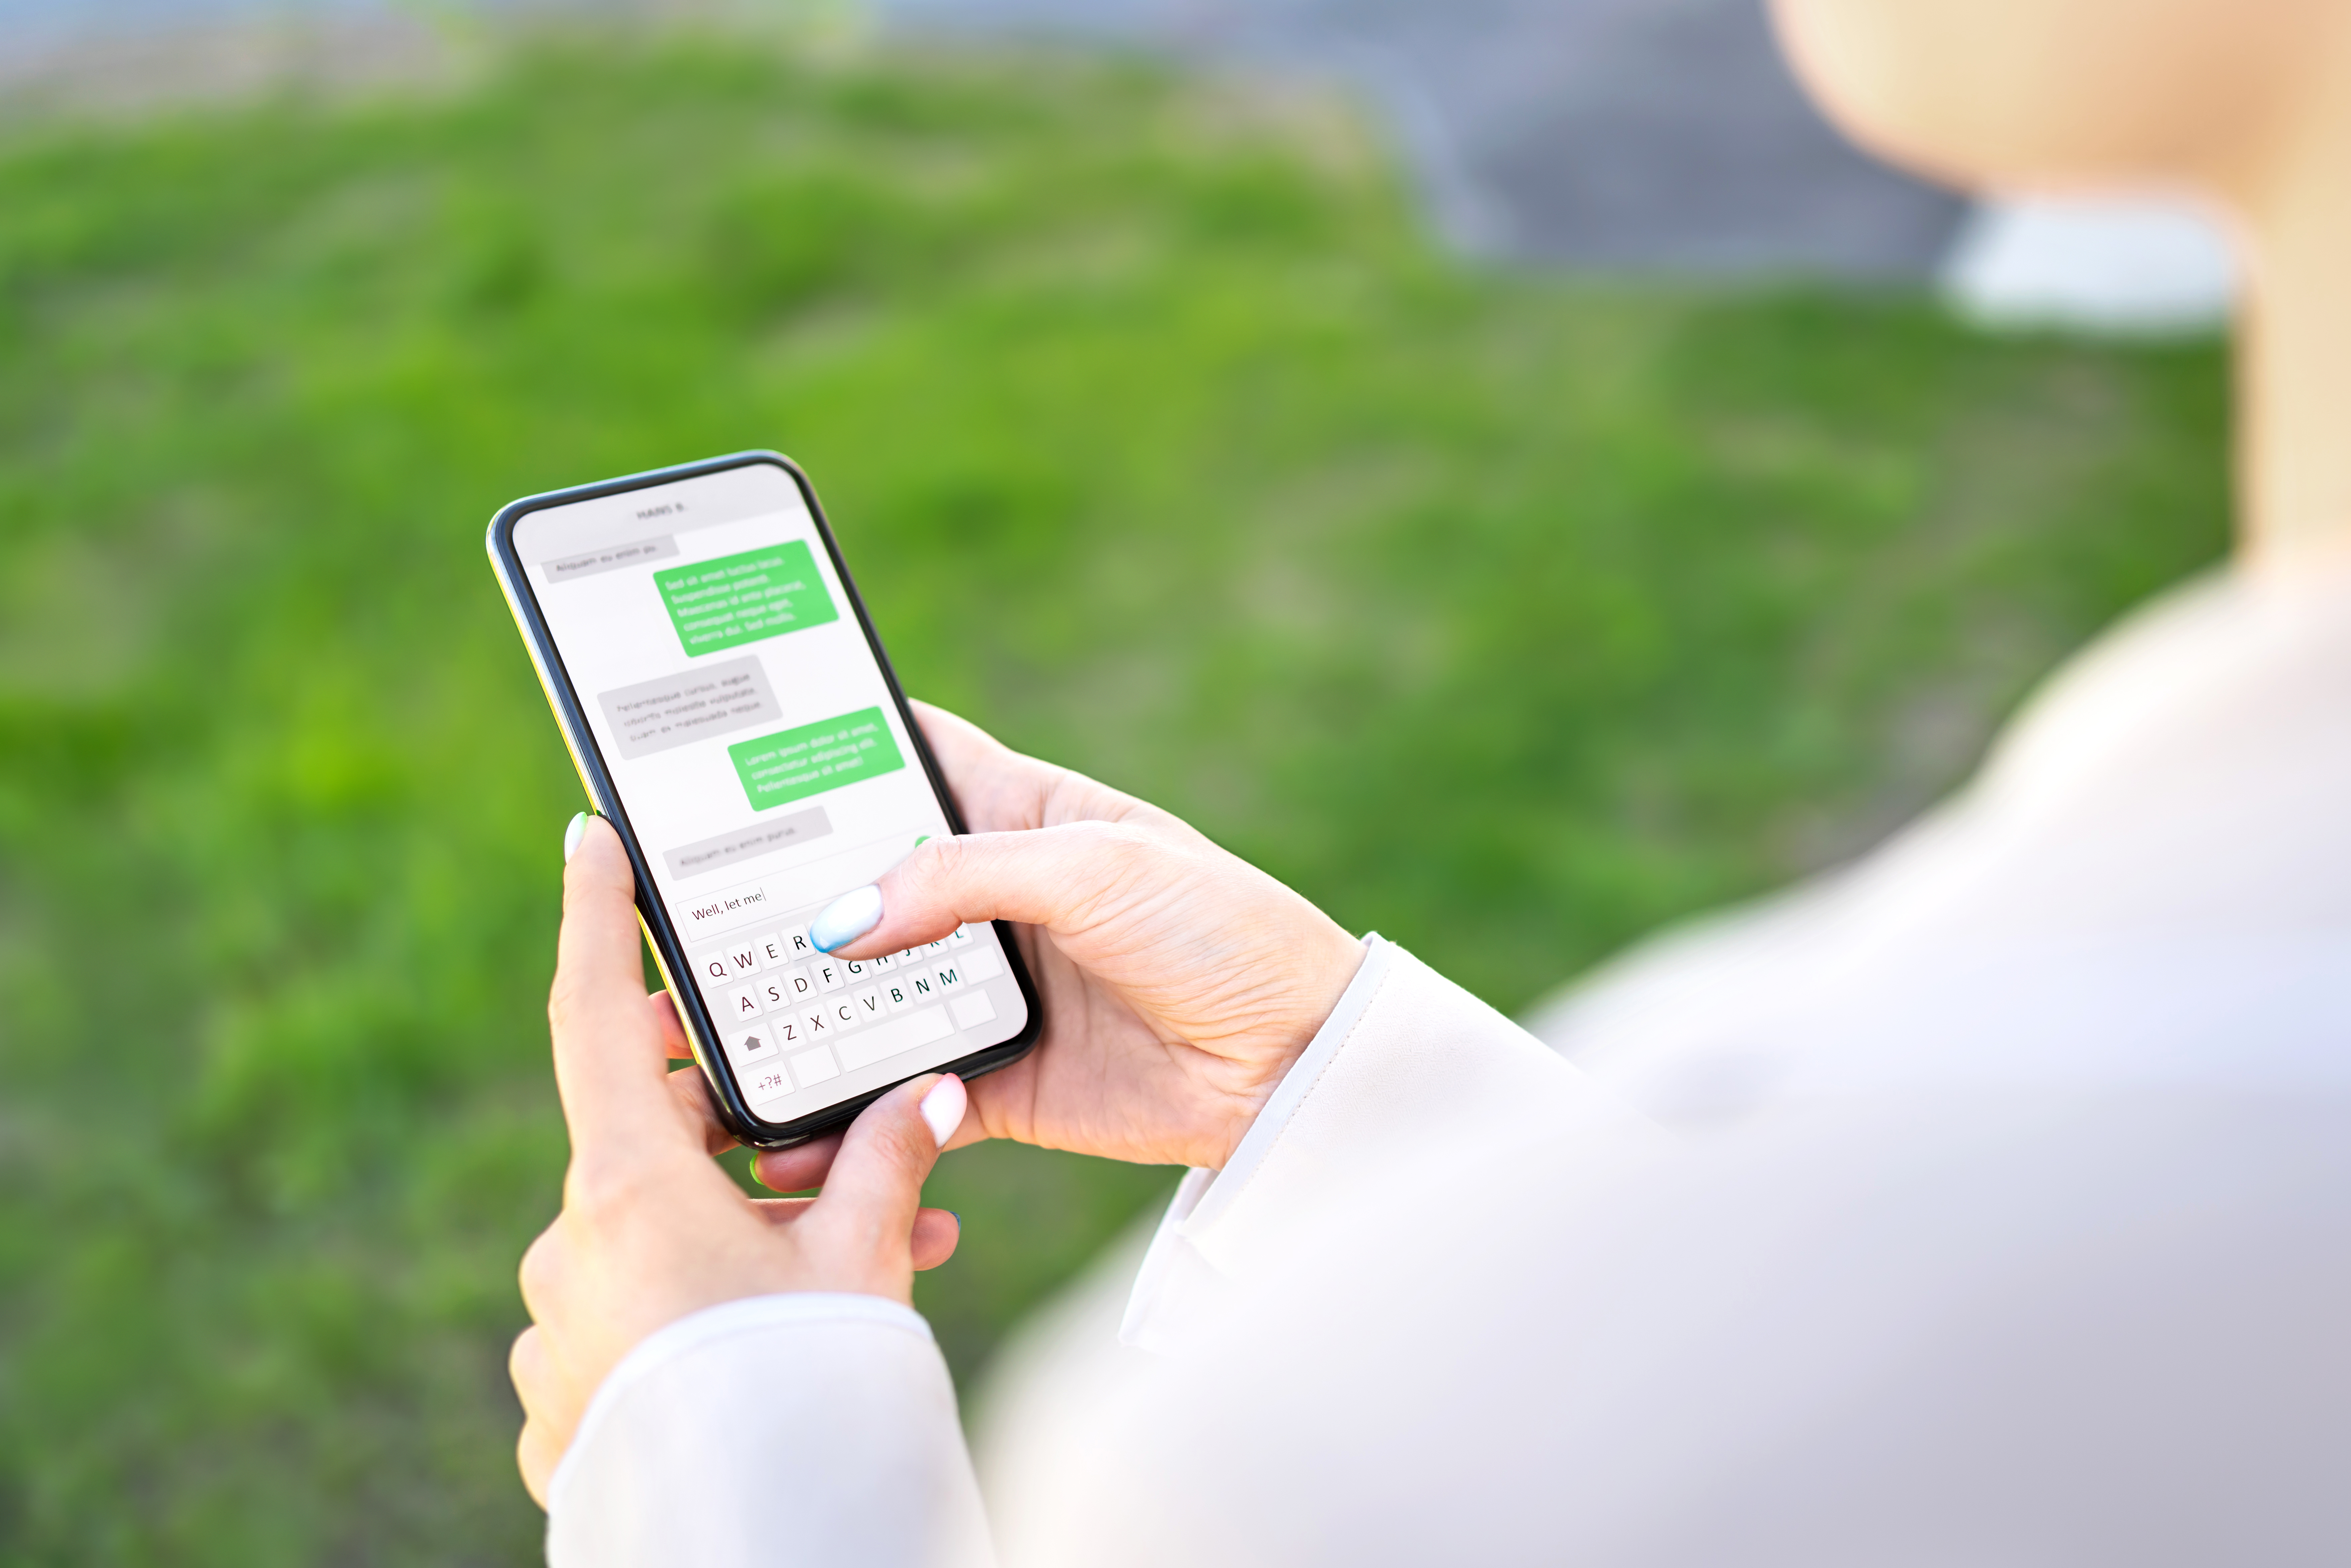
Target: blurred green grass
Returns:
[1507, 616]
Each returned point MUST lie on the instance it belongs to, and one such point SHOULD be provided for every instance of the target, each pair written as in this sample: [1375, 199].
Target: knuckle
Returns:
[849, 1244]
[525, 1360]
[906, 1146]
[1122, 857]
[602, 1193]
[540, 1271]
[567, 1001]
[1116, 839]
[947, 862]
[536, 1453]
[906, 1142]
[562, 1009]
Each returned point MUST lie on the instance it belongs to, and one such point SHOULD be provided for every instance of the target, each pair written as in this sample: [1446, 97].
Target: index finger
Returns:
[610, 1060]
[995, 787]
[1002, 790]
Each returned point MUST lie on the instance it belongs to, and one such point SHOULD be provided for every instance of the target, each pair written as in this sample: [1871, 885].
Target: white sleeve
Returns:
[1407, 1070]
[808, 1429]
[2100, 1328]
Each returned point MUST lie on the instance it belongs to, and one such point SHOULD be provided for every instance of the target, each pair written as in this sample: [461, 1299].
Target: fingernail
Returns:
[943, 1109]
[846, 918]
[573, 834]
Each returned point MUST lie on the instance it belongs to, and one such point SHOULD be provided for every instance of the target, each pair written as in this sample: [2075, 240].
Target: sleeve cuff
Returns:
[1406, 1063]
[750, 1315]
[822, 1425]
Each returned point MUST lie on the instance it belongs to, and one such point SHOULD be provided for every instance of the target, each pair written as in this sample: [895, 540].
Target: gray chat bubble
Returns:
[610, 558]
[678, 710]
[709, 854]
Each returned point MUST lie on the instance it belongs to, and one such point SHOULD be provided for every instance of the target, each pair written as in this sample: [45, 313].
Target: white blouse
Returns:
[1989, 1202]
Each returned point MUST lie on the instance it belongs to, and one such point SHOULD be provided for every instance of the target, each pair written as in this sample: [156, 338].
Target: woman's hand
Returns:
[1179, 982]
[653, 1230]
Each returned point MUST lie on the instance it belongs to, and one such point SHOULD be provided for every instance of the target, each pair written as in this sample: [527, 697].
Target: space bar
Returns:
[883, 1039]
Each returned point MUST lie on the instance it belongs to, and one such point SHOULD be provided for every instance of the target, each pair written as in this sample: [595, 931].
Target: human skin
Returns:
[1179, 984]
[652, 1229]
[2246, 103]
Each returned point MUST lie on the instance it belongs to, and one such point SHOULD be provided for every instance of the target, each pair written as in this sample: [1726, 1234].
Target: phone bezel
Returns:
[669, 953]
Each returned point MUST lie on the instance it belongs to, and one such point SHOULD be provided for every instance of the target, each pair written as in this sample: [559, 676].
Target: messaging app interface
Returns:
[765, 770]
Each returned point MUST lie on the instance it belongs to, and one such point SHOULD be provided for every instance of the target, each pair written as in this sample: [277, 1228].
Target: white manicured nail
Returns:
[573, 834]
[943, 1108]
[846, 918]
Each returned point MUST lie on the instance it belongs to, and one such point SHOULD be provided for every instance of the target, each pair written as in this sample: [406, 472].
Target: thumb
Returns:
[611, 1058]
[1060, 878]
[861, 1226]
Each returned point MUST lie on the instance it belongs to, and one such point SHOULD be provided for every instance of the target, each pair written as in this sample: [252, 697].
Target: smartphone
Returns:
[732, 714]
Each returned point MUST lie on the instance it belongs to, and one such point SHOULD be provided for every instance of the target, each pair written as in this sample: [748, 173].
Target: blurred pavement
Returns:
[1603, 135]
[1609, 134]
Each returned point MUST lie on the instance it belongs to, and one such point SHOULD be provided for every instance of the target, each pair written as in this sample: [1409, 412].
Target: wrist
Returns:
[1327, 960]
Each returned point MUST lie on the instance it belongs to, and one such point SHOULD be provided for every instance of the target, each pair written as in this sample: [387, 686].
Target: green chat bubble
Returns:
[738, 599]
[793, 764]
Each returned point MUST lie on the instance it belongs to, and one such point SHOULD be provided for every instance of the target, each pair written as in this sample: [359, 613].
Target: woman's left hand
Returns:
[653, 1230]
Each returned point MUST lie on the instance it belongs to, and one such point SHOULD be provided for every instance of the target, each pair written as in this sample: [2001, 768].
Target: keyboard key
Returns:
[741, 1003]
[857, 969]
[799, 985]
[751, 1044]
[842, 1012]
[829, 976]
[972, 1010]
[712, 969]
[769, 1083]
[948, 973]
[867, 1004]
[774, 993]
[959, 935]
[742, 960]
[895, 997]
[981, 961]
[922, 985]
[772, 951]
[886, 962]
[801, 948]
[814, 1067]
[892, 1036]
[818, 1022]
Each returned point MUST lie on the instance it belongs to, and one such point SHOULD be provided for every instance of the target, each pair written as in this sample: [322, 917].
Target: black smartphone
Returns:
[731, 712]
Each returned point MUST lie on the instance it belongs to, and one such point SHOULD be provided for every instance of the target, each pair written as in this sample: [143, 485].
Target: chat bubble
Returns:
[748, 844]
[731, 600]
[564, 569]
[678, 710]
[794, 764]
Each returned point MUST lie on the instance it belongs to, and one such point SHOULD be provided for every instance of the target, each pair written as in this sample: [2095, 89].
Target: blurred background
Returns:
[1308, 414]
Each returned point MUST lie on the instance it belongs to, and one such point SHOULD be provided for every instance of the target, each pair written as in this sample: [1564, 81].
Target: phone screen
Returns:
[760, 757]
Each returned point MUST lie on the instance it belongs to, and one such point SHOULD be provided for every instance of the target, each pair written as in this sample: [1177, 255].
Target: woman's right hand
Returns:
[1179, 982]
